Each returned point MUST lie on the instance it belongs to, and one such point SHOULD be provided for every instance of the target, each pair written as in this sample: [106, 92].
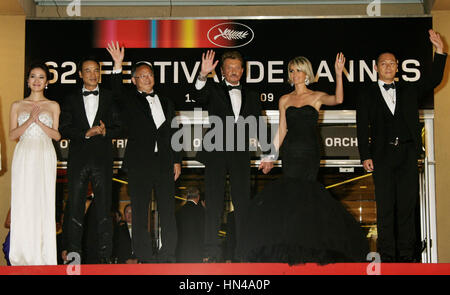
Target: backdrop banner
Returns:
[174, 47]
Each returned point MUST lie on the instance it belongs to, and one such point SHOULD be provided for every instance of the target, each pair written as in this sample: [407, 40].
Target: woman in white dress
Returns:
[34, 121]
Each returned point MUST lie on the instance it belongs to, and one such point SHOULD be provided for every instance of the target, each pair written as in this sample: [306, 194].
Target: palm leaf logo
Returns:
[231, 34]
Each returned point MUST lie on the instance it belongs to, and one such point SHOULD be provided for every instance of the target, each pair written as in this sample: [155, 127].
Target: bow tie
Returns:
[145, 94]
[389, 86]
[231, 87]
[86, 93]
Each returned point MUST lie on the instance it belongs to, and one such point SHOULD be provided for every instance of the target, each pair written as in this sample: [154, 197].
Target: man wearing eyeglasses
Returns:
[149, 160]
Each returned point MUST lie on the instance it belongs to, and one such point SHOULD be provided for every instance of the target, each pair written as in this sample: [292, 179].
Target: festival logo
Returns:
[230, 35]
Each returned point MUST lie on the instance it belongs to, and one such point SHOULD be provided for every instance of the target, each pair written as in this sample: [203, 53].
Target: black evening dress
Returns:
[294, 219]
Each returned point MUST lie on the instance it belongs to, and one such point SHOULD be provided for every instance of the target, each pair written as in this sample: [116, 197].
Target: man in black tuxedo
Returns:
[123, 250]
[150, 161]
[90, 120]
[191, 228]
[389, 143]
[231, 103]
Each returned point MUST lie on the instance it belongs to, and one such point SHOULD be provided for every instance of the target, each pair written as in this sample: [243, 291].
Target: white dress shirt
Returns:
[389, 96]
[235, 97]
[157, 112]
[91, 105]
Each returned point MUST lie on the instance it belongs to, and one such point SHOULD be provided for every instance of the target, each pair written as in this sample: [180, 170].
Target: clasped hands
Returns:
[34, 114]
[97, 130]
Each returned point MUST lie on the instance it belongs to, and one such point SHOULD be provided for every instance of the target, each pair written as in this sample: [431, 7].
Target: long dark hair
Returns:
[35, 65]
[38, 65]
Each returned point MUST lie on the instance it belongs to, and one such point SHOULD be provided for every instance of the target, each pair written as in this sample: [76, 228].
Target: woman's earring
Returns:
[46, 86]
[306, 81]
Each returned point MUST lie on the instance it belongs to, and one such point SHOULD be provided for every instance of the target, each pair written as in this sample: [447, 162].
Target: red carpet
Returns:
[233, 269]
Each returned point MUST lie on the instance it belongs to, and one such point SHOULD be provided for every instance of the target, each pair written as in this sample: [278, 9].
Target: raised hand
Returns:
[435, 38]
[208, 64]
[117, 53]
[340, 62]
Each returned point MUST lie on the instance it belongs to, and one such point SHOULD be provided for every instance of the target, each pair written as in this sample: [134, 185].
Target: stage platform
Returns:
[234, 269]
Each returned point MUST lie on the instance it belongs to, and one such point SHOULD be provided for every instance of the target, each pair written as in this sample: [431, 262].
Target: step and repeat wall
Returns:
[174, 47]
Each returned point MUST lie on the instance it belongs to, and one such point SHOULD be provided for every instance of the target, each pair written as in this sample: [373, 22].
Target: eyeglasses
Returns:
[144, 76]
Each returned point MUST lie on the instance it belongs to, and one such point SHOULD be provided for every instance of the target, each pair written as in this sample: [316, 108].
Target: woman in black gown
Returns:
[295, 219]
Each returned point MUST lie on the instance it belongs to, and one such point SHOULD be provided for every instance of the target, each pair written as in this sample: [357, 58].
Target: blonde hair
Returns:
[304, 65]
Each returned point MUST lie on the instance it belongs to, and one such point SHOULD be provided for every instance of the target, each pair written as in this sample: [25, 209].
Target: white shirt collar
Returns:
[96, 88]
[229, 84]
[153, 91]
[381, 83]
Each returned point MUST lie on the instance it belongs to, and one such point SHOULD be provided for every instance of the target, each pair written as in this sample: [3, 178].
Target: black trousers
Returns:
[159, 179]
[237, 166]
[100, 177]
[396, 182]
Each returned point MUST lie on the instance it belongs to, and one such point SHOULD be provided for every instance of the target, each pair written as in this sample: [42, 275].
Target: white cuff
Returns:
[267, 158]
[199, 84]
[117, 71]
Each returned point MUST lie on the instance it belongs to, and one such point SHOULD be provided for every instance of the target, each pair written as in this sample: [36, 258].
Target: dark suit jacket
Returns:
[122, 249]
[216, 98]
[372, 111]
[74, 125]
[191, 232]
[141, 131]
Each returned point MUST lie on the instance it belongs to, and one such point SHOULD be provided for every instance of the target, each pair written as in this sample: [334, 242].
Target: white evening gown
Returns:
[33, 181]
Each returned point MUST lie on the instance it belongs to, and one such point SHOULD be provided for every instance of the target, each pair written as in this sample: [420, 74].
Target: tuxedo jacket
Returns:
[74, 125]
[216, 98]
[122, 249]
[141, 130]
[191, 232]
[372, 111]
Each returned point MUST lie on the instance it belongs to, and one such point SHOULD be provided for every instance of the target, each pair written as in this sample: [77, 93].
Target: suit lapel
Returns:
[164, 106]
[80, 103]
[101, 105]
[398, 100]
[378, 93]
[226, 98]
[143, 106]
[243, 100]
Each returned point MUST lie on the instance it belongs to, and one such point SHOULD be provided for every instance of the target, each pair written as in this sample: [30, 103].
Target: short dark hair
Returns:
[85, 59]
[125, 208]
[140, 64]
[39, 65]
[192, 193]
[234, 54]
[385, 52]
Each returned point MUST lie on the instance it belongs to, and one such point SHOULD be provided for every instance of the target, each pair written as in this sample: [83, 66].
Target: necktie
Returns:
[86, 93]
[231, 87]
[389, 86]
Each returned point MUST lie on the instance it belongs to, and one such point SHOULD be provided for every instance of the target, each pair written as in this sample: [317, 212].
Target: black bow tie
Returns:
[231, 87]
[86, 93]
[389, 86]
[145, 94]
